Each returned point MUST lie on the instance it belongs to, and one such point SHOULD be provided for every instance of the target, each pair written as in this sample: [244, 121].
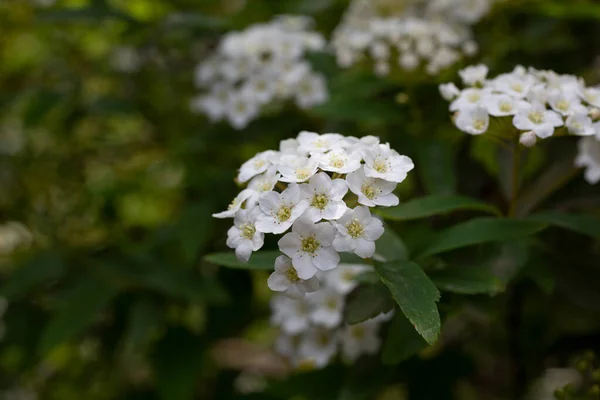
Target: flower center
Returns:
[331, 303]
[336, 161]
[474, 97]
[264, 186]
[323, 339]
[479, 124]
[284, 213]
[292, 275]
[505, 106]
[591, 97]
[233, 204]
[576, 125]
[310, 244]
[517, 87]
[348, 276]
[241, 107]
[358, 332]
[320, 201]
[563, 105]
[369, 191]
[248, 231]
[536, 117]
[259, 164]
[355, 228]
[302, 173]
[320, 143]
[380, 166]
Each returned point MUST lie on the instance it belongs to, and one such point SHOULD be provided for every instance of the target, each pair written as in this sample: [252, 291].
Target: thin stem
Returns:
[515, 178]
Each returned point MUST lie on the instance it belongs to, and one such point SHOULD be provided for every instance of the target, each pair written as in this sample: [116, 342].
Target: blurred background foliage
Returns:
[109, 182]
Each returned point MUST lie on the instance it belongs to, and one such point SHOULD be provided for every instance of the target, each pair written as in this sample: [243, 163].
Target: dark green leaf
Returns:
[580, 223]
[434, 205]
[78, 308]
[42, 103]
[40, 269]
[390, 247]
[178, 362]
[262, 260]
[467, 280]
[415, 294]
[366, 302]
[481, 230]
[437, 169]
[402, 341]
[143, 320]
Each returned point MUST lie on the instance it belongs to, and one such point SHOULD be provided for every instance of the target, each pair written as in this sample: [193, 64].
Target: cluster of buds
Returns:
[538, 104]
[259, 67]
[410, 34]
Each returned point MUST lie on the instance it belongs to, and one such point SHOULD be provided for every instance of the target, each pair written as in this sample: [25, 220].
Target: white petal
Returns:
[364, 248]
[344, 243]
[304, 266]
[389, 200]
[290, 244]
[327, 259]
[278, 282]
[374, 230]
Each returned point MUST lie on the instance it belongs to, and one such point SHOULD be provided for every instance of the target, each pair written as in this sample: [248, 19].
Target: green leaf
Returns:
[467, 280]
[143, 321]
[481, 230]
[580, 223]
[390, 247]
[264, 260]
[40, 269]
[437, 169]
[415, 294]
[401, 342]
[178, 362]
[366, 302]
[78, 308]
[434, 205]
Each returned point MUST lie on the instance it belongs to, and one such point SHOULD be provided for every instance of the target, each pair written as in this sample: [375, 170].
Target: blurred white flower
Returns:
[588, 157]
[473, 120]
[285, 279]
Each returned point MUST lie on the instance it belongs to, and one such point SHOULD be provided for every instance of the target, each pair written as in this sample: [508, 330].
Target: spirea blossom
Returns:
[537, 103]
[429, 34]
[258, 67]
[301, 193]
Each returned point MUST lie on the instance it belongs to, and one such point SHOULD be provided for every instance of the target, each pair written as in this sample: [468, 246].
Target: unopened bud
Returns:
[595, 113]
[528, 139]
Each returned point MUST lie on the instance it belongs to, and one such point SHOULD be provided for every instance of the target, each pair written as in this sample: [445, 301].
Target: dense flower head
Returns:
[260, 66]
[537, 103]
[432, 34]
[312, 330]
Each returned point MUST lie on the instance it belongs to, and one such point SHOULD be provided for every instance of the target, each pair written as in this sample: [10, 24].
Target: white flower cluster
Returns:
[314, 174]
[536, 101]
[312, 331]
[412, 33]
[260, 66]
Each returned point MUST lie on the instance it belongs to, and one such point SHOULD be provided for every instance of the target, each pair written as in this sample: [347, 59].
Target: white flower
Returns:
[325, 197]
[243, 236]
[528, 139]
[280, 210]
[588, 157]
[342, 279]
[341, 161]
[501, 105]
[311, 91]
[360, 339]
[297, 168]
[591, 96]
[256, 165]
[310, 247]
[473, 74]
[292, 315]
[449, 91]
[285, 279]
[357, 232]
[236, 204]
[473, 120]
[290, 146]
[385, 163]
[372, 192]
[241, 110]
[313, 142]
[468, 98]
[327, 307]
[317, 347]
[514, 85]
[564, 104]
[535, 117]
[264, 182]
[580, 125]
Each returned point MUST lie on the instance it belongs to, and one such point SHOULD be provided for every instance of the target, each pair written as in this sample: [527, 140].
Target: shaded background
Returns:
[112, 181]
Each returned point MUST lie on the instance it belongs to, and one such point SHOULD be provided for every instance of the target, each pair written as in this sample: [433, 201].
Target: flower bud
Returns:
[528, 139]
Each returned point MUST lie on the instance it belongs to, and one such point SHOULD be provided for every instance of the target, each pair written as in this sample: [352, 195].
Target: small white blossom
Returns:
[325, 197]
[580, 125]
[256, 165]
[340, 161]
[243, 236]
[241, 110]
[357, 232]
[317, 347]
[313, 142]
[342, 279]
[449, 91]
[236, 204]
[502, 105]
[469, 98]
[292, 315]
[588, 157]
[528, 139]
[285, 279]
[360, 339]
[372, 192]
[535, 117]
[297, 168]
[327, 308]
[310, 247]
[564, 104]
[280, 210]
[385, 163]
[473, 120]
[473, 74]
